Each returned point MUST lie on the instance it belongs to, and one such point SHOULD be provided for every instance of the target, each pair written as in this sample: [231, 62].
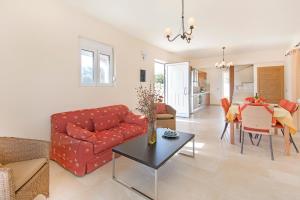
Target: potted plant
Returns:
[147, 98]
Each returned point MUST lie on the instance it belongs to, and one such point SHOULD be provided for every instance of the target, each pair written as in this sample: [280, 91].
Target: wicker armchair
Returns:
[25, 168]
[167, 120]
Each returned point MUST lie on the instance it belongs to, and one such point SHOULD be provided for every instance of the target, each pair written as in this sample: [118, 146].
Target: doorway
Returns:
[177, 85]
[159, 78]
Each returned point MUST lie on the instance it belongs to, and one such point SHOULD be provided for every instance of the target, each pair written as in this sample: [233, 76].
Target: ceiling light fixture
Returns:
[223, 65]
[184, 35]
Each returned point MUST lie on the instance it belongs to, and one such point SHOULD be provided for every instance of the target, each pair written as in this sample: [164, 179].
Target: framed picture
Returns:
[142, 75]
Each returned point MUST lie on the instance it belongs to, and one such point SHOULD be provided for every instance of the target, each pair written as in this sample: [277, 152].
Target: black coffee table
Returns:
[153, 156]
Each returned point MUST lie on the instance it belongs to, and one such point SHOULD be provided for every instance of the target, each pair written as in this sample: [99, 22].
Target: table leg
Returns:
[193, 153]
[131, 187]
[114, 165]
[287, 140]
[232, 133]
[155, 185]
[276, 131]
[193, 147]
[237, 126]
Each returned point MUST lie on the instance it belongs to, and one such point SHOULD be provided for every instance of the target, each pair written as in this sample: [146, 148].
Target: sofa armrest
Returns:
[132, 118]
[7, 187]
[171, 110]
[65, 145]
[18, 149]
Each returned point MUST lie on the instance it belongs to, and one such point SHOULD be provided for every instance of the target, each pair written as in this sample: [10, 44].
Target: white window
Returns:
[96, 63]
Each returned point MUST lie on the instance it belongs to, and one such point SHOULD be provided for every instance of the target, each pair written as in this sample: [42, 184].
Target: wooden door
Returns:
[270, 83]
[202, 75]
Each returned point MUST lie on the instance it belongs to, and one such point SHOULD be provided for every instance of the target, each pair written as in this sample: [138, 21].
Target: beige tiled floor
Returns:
[218, 171]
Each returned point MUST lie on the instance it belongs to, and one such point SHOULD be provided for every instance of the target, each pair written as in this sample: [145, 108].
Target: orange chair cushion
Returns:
[161, 108]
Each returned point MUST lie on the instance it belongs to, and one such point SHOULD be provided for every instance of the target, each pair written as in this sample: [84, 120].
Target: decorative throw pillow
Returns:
[132, 118]
[161, 108]
[78, 132]
[106, 122]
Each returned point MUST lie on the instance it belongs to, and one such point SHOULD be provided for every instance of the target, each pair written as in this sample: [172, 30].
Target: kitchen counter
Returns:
[205, 98]
[203, 93]
[200, 93]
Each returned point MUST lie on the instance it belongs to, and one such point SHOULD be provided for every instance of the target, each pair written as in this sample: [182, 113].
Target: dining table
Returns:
[280, 114]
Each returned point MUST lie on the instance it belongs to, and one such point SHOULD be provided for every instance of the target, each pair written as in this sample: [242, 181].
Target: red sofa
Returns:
[82, 156]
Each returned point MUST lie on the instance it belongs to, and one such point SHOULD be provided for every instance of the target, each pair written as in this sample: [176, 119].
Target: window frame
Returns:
[98, 49]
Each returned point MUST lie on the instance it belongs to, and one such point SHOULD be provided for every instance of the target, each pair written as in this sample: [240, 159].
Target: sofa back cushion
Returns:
[105, 122]
[84, 118]
[78, 132]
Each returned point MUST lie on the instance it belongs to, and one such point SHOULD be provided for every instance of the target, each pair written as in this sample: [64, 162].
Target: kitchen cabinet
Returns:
[202, 75]
[204, 99]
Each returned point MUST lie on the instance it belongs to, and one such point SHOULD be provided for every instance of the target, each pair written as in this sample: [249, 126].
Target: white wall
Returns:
[258, 58]
[39, 59]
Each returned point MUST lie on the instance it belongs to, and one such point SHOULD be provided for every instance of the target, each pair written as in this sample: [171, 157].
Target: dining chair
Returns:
[283, 103]
[292, 107]
[257, 119]
[226, 105]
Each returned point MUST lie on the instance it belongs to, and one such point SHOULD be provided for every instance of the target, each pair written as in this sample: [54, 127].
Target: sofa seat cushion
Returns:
[164, 116]
[128, 130]
[103, 140]
[23, 171]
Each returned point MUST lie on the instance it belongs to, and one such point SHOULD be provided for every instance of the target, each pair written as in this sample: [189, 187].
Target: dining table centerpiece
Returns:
[147, 98]
[256, 99]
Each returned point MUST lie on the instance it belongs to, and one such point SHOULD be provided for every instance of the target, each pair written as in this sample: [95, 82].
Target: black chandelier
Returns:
[184, 35]
[223, 65]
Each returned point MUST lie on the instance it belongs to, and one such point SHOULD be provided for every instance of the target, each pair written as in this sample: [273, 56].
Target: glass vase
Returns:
[152, 132]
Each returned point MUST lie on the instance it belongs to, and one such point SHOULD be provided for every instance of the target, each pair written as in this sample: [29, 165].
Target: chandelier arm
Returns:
[190, 33]
[171, 40]
[188, 40]
[184, 35]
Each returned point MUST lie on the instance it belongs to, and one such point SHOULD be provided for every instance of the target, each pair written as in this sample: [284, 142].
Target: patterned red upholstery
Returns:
[106, 122]
[105, 140]
[78, 132]
[129, 131]
[81, 156]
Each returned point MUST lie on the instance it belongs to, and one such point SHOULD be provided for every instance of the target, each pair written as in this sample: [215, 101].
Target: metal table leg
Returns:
[155, 185]
[114, 165]
[131, 187]
[193, 154]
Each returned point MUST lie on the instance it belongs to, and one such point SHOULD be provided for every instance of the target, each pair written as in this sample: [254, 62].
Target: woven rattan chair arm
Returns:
[17, 149]
[7, 187]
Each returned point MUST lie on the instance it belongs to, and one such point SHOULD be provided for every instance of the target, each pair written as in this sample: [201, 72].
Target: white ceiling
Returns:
[241, 25]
